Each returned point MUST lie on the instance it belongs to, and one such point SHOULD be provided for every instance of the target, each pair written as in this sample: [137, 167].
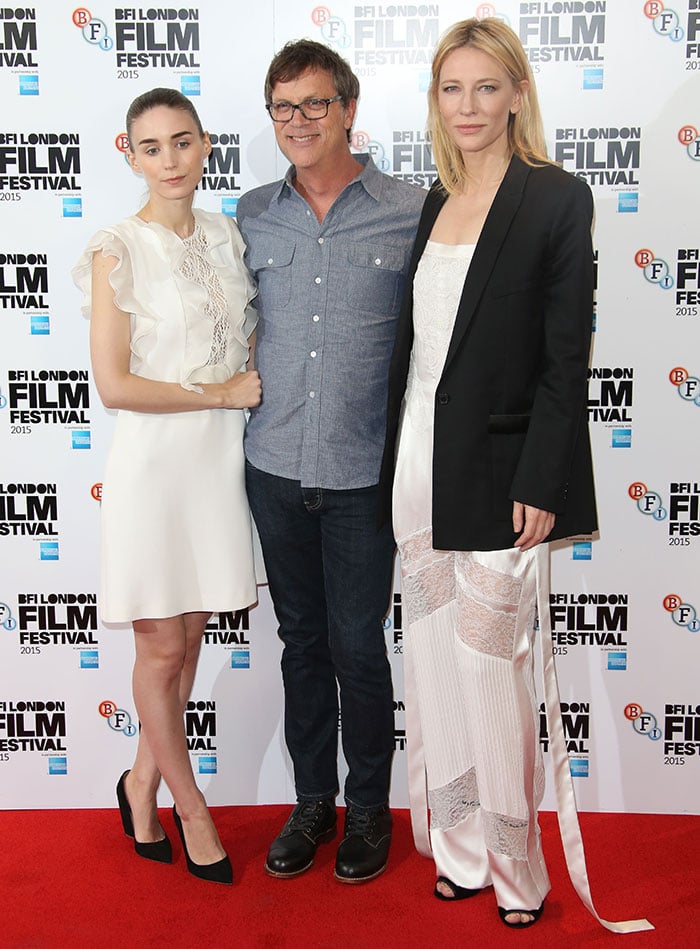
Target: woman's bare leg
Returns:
[166, 659]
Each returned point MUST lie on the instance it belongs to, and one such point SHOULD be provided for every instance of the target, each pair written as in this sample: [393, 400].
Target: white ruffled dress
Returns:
[175, 527]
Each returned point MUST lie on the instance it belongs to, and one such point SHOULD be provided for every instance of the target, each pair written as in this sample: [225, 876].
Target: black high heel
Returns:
[159, 850]
[218, 872]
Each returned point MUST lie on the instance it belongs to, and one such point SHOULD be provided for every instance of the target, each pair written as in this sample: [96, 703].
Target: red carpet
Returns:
[71, 879]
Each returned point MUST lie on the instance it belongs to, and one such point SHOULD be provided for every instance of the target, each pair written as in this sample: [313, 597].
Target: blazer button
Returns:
[443, 398]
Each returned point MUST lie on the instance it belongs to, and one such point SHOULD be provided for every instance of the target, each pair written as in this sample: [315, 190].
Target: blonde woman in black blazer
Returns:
[487, 459]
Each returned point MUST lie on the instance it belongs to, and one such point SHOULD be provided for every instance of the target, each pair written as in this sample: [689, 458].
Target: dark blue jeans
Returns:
[330, 573]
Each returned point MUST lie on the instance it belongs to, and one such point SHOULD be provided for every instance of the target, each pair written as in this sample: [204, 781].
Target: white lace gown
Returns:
[175, 524]
[468, 635]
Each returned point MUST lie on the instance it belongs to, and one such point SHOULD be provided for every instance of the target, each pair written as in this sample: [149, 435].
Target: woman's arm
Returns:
[119, 388]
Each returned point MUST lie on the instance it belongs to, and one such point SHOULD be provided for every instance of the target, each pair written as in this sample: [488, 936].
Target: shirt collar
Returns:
[370, 178]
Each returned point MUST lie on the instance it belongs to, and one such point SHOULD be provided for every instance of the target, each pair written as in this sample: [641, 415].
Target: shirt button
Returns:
[312, 394]
[377, 261]
[313, 354]
[315, 317]
[308, 213]
[443, 398]
[317, 279]
[270, 260]
[320, 240]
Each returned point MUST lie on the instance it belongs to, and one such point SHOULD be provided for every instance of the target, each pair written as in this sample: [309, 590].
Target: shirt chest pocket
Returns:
[272, 267]
[372, 279]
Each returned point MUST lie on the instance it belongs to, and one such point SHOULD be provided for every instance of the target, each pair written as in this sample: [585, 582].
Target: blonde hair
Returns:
[525, 129]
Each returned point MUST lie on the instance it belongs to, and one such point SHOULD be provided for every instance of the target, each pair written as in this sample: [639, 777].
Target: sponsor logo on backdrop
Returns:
[682, 614]
[39, 161]
[393, 627]
[670, 23]
[24, 289]
[56, 619]
[686, 279]
[665, 21]
[200, 729]
[36, 726]
[382, 35]
[7, 620]
[649, 502]
[690, 139]
[582, 550]
[655, 269]
[412, 157]
[682, 513]
[118, 719]
[394, 633]
[680, 731]
[598, 620]
[232, 631]
[94, 30]
[361, 141]
[223, 164]
[607, 158]
[49, 397]
[31, 510]
[692, 47]
[144, 38]
[557, 32]
[610, 398]
[687, 386]
[576, 719]
[18, 48]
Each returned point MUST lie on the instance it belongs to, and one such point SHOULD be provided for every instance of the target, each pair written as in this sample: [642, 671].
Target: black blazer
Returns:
[511, 404]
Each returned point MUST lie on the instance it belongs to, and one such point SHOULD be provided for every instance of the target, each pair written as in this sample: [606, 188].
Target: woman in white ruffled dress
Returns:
[168, 297]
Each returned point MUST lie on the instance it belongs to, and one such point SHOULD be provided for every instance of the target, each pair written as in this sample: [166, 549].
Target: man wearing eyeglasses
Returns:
[329, 248]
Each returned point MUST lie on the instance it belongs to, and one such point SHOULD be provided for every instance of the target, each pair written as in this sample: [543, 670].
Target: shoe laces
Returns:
[306, 815]
[361, 823]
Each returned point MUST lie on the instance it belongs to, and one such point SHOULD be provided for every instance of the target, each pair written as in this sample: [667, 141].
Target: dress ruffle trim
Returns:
[224, 252]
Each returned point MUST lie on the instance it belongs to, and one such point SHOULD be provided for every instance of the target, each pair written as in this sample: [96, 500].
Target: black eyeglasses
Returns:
[311, 109]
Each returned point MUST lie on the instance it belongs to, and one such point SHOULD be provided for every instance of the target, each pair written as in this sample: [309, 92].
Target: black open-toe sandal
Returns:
[535, 913]
[460, 892]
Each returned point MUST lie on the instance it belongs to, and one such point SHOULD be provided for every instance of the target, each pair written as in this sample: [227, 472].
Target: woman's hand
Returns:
[242, 391]
[532, 523]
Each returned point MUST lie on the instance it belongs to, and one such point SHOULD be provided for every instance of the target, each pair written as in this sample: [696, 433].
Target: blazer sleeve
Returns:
[558, 413]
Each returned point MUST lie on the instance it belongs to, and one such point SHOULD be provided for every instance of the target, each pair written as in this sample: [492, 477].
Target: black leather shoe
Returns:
[364, 850]
[292, 852]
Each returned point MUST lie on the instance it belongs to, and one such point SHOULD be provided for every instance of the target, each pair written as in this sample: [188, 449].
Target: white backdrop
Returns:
[619, 83]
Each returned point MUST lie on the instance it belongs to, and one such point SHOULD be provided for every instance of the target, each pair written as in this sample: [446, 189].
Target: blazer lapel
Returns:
[493, 233]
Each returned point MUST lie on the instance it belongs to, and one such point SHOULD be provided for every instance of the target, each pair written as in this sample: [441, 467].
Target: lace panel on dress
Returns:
[452, 803]
[487, 605]
[506, 835]
[427, 575]
[197, 268]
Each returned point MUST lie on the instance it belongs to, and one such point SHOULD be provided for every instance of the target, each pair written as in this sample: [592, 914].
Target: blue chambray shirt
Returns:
[328, 299]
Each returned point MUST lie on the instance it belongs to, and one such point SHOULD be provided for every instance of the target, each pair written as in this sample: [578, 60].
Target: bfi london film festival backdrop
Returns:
[619, 84]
